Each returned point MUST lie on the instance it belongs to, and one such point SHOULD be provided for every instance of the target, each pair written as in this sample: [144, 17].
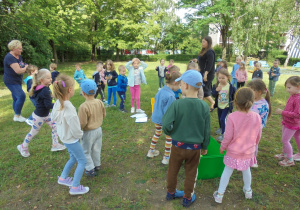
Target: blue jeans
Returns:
[122, 96]
[222, 114]
[161, 81]
[234, 82]
[18, 96]
[112, 90]
[76, 155]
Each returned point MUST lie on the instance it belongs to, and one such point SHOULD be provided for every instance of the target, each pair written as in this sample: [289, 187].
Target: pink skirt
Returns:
[239, 164]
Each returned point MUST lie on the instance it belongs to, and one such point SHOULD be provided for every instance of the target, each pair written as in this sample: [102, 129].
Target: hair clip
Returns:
[63, 83]
[168, 72]
[173, 71]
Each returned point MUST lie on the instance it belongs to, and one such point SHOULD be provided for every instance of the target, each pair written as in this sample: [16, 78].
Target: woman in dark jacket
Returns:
[206, 62]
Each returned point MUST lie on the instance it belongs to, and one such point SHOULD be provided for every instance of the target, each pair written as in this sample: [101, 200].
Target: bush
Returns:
[153, 58]
[292, 61]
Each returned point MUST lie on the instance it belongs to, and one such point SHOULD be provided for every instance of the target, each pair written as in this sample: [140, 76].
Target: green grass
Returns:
[128, 179]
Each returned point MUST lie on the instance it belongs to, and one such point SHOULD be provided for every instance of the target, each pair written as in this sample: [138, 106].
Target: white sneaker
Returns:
[254, 165]
[248, 194]
[107, 105]
[219, 131]
[23, 150]
[220, 138]
[57, 147]
[140, 111]
[29, 122]
[152, 153]
[159, 88]
[132, 110]
[165, 160]
[19, 119]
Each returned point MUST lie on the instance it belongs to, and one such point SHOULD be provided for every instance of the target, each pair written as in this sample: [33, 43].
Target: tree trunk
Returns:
[118, 51]
[229, 54]
[62, 57]
[224, 41]
[54, 52]
[93, 54]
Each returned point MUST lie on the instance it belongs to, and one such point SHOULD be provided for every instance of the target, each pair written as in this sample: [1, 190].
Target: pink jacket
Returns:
[242, 134]
[241, 76]
[102, 76]
[291, 113]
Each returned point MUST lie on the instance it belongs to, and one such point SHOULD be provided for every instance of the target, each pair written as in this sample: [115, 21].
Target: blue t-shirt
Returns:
[234, 69]
[10, 76]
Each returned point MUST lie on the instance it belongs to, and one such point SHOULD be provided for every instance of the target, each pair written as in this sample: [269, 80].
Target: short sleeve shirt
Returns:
[10, 76]
[261, 107]
[223, 97]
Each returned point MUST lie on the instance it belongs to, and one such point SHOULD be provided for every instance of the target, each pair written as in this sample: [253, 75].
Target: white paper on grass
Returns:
[141, 119]
[138, 115]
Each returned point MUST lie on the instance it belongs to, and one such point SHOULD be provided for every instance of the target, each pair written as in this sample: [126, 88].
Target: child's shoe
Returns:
[67, 181]
[165, 160]
[177, 194]
[79, 190]
[132, 110]
[287, 162]
[296, 157]
[220, 138]
[23, 150]
[248, 194]
[19, 119]
[254, 165]
[90, 173]
[218, 197]
[113, 105]
[187, 202]
[107, 106]
[219, 131]
[57, 147]
[279, 156]
[29, 122]
[140, 111]
[97, 168]
[152, 153]
[123, 110]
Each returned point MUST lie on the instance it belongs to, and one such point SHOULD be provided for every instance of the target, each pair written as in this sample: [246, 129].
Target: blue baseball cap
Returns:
[89, 87]
[219, 60]
[191, 77]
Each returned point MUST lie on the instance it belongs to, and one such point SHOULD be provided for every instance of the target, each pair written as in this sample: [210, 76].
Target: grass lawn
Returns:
[128, 179]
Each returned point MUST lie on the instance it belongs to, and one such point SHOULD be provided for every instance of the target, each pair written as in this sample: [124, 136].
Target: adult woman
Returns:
[14, 68]
[206, 62]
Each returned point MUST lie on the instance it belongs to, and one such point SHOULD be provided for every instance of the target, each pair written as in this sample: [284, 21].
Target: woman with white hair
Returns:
[14, 67]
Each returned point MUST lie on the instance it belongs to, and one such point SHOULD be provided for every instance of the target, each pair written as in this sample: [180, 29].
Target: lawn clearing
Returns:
[128, 179]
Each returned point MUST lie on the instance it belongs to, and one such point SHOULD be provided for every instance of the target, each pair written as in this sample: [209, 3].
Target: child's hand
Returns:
[219, 88]
[79, 78]
[273, 74]
[221, 151]
[106, 77]
[203, 151]
[110, 76]
[279, 111]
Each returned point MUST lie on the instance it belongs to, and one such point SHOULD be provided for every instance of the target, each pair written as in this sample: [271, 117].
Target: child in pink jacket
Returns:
[242, 134]
[241, 75]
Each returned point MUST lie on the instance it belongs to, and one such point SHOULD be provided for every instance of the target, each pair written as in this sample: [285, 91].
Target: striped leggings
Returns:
[155, 138]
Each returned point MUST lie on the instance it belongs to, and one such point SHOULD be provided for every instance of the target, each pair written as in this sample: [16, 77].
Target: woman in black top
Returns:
[206, 62]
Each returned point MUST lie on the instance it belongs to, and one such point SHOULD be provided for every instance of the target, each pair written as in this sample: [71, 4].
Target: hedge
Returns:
[292, 61]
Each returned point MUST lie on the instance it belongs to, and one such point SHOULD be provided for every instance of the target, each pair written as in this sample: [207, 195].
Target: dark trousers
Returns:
[222, 114]
[240, 84]
[191, 160]
[122, 96]
[100, 89]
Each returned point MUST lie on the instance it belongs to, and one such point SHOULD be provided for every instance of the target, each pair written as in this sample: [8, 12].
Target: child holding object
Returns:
[163, 99]
[68, 129]
[91, 114]
[290, 122]
[242, 135]
[187, 121]
[98, 77]
[258, 72]
[161, 71]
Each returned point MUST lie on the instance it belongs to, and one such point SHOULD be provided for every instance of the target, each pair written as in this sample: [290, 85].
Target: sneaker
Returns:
[159, 89]
[165, 160]
[123, 110]
[219, 131]
[29, 122]
[279, 156]
[113, 105]
[296, 157]
[57, 147]
[79, 190]
[97, 168]
[19, 119]
[254, 165]
[132, 110]
[140, 111]
[218, 197]
[177, 194]
[152, 153]
[186, 202]
[248, 194]
[67, 181]
[220, 138]
[107, 106]
[23, 150]
[287, 162]
[90, 173]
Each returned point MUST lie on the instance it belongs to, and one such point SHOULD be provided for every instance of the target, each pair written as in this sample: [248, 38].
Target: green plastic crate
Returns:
[211, 165]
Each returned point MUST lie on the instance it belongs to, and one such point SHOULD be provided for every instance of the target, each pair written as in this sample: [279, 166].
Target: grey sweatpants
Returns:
[91, 143]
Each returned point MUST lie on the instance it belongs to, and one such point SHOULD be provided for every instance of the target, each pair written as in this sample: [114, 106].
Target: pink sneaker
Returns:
[23, 150]
[279, 156]
[296, 157]
[218, 197]
[287, 162]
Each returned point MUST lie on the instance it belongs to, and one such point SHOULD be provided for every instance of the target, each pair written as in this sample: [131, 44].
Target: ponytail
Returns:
[268, 99]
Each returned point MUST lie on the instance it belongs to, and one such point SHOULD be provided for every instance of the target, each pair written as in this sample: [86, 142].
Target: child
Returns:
[79, 75]
[194, 66]
[241, 75]
[171, 63]
[261, 106]
[163, 99]
[30, 70]
[111, 75]
[242, 135]
[68, 129]
[234, 69]
[258, 72]
[219, 60]
[98, 76]
[91, 114]
[290, 122]
[223, 92]
[274, 74]
[136, 76]
[188, 122]
[161, 70]
[122, 87]
[54, 73]
[41, 92]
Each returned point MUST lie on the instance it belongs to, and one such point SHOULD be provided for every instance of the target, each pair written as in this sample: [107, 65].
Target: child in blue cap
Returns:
[187, 121]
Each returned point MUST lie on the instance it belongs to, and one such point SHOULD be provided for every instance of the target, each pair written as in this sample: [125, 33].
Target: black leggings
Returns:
[100, 89]
[240, 84]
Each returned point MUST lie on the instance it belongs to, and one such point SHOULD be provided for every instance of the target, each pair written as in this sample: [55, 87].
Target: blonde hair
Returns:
[244, 98]
[193, 66]
[258, 64]
[77, 64]
[31, 68]
[121, 67]
[244, 66]
[111, 64]
[171, 60]
[99, 63]
[53, 66]
[61, 86]
[14, 44]
[293, 80]
[239, 58]
[36, 79]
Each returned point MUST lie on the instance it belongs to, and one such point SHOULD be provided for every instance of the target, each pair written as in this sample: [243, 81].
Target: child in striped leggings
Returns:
[163, 99]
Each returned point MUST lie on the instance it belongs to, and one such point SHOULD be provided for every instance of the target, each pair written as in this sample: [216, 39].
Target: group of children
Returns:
[185, 122]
